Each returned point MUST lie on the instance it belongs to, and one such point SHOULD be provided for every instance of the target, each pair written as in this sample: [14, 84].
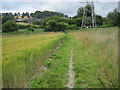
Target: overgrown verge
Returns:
[55, 74]
[18, 69]
[24, 31]
[95, 59]
[85, 68]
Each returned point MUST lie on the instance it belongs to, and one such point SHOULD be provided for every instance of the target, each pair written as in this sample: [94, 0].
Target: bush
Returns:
[30, 29]
[52, 25]
[36, 22]
[72, 26]
[105, 26]
[10, 26]
[22, 26]
[61, 26]
[6, 18]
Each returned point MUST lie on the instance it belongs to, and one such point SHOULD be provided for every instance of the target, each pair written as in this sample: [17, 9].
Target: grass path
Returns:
[55, 75]
[79, 67]
[71, 73]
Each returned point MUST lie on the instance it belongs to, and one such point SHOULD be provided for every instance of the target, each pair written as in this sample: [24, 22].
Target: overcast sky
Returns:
[68, 7]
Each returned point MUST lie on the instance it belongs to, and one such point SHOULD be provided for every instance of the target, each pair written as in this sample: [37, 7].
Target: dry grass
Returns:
[23, 23]
[102, 45]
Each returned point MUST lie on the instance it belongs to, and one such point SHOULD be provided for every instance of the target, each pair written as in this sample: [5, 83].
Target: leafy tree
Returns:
[32, 14]
[36, 22]
[55, 18]
[23, 15]
[27, 14]
[77, 21]
[113, 17]
[52, 25]
[45, 14]
[61, 26]
[10, 26]
[15, 14]
[38, 14]
[7, 14]
[99, 20]
[6, 18]
[30, 29]
[118, 19]
[80, 12]
[81, 9]
[18, 13]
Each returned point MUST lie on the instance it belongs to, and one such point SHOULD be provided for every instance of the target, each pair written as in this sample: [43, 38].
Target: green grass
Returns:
[32, 59]
[0, 60]
[96, 52]
[55, 75]
[85, 68]
[23, 54]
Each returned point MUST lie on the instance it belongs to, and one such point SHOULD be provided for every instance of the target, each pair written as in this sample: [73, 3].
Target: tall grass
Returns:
[23, 54]
[96, 58]
[0, 60]
[55, 74]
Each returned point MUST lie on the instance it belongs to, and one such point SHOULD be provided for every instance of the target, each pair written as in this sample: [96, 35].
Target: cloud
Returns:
[103, 8]
[58, 0]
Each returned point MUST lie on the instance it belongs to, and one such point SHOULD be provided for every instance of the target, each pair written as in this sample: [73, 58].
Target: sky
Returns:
[64, 6]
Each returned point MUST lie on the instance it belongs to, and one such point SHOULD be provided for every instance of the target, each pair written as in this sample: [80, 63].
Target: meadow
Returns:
[41, 60]
[23, 54]
[96, 58]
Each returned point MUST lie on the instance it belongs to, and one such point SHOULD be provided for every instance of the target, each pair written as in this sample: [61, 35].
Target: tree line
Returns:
[56, 21]
[37, 14]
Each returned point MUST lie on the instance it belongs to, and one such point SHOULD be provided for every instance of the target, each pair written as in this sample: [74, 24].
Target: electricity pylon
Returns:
[89, 17]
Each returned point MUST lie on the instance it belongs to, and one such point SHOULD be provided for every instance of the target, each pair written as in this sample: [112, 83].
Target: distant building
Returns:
[19, 20]
[30, 20]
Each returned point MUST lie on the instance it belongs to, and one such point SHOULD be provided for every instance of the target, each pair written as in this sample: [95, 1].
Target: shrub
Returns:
[10, 26]
[61, 26]
[22, 26]
[6, 18]
[52, 25]
[72, 26]
[30, 29]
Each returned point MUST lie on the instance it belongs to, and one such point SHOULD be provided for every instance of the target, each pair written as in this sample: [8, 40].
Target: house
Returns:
[30, 20]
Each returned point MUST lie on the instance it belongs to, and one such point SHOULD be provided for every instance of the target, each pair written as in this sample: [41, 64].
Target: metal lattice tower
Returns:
[89, 17]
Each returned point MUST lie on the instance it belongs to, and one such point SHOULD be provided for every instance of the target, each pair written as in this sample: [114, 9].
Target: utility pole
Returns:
[89, 17]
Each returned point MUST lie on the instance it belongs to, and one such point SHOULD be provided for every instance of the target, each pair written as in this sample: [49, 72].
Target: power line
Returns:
[89, 17]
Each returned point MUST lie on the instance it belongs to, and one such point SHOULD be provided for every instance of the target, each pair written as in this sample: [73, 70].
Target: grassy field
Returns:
[96, 58]
[23, 54]
[42, 60]
[0, 60]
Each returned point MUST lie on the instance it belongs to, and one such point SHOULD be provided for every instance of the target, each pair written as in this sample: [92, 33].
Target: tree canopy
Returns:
[113, 17]
[45, 14]
[10, 26]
